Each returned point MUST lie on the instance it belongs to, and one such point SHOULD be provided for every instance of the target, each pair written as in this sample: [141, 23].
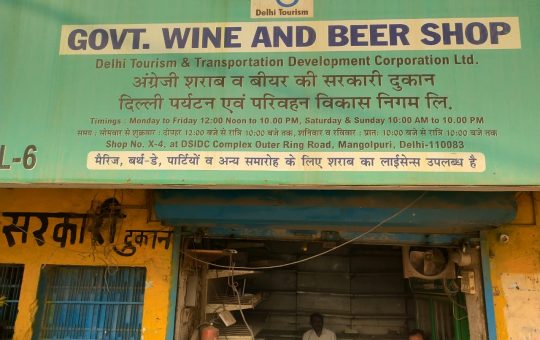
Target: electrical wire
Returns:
[447, 289]
[454, 313]
[81, 252]
[451, 294]
[107, 249]
[372, 229]
[233, 286]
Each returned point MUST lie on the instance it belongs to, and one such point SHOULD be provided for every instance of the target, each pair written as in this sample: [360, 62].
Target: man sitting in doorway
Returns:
[417, 334]
[317, 331]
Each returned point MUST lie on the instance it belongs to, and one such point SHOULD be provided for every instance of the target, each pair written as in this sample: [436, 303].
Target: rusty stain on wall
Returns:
[522, 313]
[61, 242]
[516, 264]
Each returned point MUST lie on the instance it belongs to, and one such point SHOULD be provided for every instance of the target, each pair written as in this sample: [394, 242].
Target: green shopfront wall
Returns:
[262, 93]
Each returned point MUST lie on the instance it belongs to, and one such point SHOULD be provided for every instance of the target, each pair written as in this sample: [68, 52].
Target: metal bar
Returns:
[112, 303]
[433, 317]
[488, 287]
[460, 324]
[108, 306]
[10, 286]
[379, 238]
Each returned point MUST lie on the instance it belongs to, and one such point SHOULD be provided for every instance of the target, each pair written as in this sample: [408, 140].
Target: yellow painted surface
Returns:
[520, 257]
[157, 261]
[514, 264]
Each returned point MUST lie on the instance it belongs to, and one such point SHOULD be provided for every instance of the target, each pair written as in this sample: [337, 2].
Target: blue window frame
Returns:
[10, 289]
[90, 303]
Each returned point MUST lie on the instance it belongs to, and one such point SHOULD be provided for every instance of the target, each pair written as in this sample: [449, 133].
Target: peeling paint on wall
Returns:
[515, 260]
[40, 227]
[522, 309]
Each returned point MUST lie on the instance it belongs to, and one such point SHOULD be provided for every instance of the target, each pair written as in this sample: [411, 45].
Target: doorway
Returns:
[360, 289]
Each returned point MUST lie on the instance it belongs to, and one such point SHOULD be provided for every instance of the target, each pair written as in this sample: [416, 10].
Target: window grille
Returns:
[91, 302]
[10, 289]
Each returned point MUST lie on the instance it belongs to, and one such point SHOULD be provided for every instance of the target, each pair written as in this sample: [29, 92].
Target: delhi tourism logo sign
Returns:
[261, 9]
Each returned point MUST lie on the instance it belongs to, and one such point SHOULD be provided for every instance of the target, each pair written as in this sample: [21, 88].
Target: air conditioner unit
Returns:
[428, 263]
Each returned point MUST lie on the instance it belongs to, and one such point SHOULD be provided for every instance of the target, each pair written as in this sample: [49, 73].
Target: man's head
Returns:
[316, 320]
[417, 334]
